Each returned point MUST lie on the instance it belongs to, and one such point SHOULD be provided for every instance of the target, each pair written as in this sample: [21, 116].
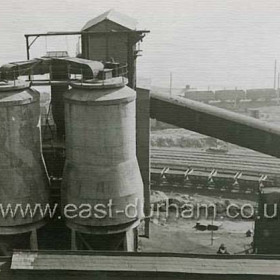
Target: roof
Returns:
[57, 54]
[146, 262]
[113, 16]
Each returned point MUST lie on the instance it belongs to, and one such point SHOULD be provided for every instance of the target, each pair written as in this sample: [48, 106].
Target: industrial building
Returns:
[95, 167]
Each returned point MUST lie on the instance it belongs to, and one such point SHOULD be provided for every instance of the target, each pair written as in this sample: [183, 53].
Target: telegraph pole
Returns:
[278, 83]
[275, 70]
[170, 84]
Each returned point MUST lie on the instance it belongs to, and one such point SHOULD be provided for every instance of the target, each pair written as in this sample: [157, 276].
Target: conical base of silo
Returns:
[20, 229]
[102, 230]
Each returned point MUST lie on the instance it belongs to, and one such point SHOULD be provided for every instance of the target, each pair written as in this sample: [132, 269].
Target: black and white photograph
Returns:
[139, 139]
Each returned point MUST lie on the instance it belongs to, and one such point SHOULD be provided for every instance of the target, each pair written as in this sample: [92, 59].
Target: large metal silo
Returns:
[101, 167]
[23, 177]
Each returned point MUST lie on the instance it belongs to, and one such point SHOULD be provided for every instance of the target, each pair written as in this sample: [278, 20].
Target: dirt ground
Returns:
[177, 234]
[181, 237]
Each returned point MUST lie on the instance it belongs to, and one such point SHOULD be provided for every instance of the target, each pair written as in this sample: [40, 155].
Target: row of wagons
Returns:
[231, 95]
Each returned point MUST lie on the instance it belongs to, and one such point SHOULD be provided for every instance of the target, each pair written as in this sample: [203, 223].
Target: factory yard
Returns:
[173, 234]
[178, 234]
[181, 237]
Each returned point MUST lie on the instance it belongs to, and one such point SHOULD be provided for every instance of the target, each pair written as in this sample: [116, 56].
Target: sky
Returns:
[213, 43]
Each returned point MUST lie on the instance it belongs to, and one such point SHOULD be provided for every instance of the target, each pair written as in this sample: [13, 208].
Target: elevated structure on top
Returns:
[119, 42]
[111, 36]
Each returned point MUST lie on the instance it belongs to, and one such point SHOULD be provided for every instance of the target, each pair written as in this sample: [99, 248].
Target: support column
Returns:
[59, 73]
[73, 240]
[129, 241]
[143, 147]
[33, 240]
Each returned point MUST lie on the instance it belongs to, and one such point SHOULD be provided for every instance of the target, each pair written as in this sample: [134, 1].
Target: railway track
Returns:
[175, 152]
[221, 172]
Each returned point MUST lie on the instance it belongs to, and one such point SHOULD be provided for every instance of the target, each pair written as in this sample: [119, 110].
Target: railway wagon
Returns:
[249, 182]
[230, 95]
[224, 180]
[219, 179]
[157, 175]
[176, 176]
[260, 94]
[199, 177]
[204, 96]
[253, 183]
